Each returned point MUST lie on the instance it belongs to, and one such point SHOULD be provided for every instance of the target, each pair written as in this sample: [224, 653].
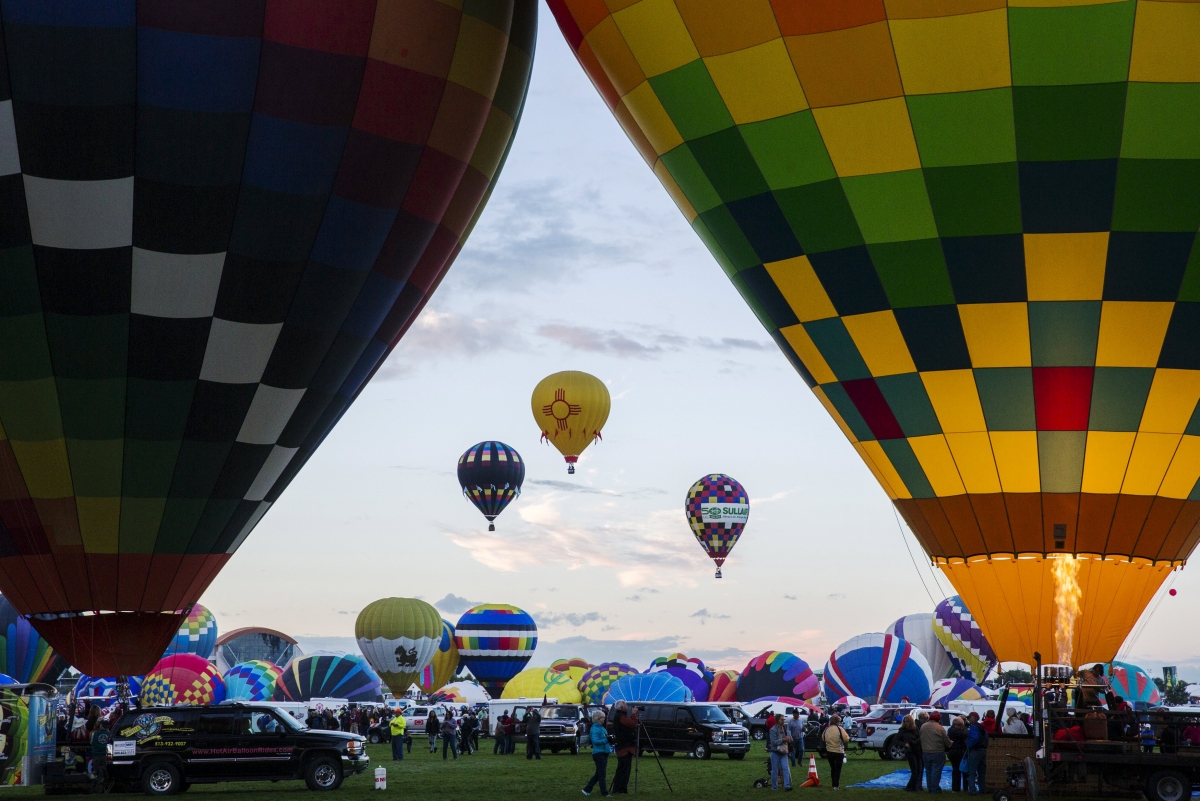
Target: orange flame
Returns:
[1067, 593]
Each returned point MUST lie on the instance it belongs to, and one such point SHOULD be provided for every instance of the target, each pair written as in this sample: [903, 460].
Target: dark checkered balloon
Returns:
[717, 509]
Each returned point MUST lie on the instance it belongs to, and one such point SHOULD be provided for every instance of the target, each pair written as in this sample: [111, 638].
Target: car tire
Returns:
[758, 733]
[375, 739]
[1168, 785]
[161, 778]
[737, 757]
[892, 749]
[323, 773]
[575, 749]
[700, 750]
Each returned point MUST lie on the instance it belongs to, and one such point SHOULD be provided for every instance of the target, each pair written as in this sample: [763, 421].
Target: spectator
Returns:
[533, 734]
[625, 725]
[934, 743]
[100, 740]
[1013, 724]
[432, 727]
[501, 744]
[795, 730]
[836, 739]
[464, 736]
[449, 731]
[977, 745]
[779, 746]
[955, 753]
[397, 728]
[910, 740]
[989, 722]
[600, 751]
[476, 724]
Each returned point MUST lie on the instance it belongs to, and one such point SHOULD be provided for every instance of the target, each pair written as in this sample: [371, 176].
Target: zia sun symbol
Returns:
[560, 410]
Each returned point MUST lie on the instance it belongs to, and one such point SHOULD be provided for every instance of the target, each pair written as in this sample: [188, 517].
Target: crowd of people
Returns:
[929, 745]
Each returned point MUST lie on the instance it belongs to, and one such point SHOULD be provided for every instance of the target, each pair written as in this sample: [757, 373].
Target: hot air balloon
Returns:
[542, 682]
[460, 692]
[252, 680]
[182, 679]
[444, 664]
[717, 509]
[495, 642]
[105, 687]
[947, 690]
[853, 704]
[596, 681]
[191, 302]
[691, 672]
[570, 408]
[491, 474]
[574, 662]
[959, 633]
[197, 634]
[969, 230]
[724, 686]
[326, 675]
[777, 673]
[878, 668]
[659, 686]
[399, 637]
[1134, 685]
[918, 630]
[24, 654]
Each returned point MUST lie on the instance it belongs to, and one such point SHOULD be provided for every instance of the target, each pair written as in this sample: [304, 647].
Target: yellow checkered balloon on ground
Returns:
[183, 679]
[969, 225]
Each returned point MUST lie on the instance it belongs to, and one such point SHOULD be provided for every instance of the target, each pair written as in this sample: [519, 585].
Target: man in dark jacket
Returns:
[977, 743]
[533, 735]
[501, 744]
[624, 726]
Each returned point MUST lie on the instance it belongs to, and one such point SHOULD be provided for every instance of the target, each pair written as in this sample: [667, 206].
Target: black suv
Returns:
[167, 749]
[696, 729]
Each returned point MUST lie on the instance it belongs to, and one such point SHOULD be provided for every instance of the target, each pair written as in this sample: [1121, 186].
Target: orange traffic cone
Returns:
[813, 779]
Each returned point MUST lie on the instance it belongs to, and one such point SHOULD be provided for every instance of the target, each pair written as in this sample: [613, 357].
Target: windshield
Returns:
[296, 725]
[736, 715]
[709, 714]
[560, 713]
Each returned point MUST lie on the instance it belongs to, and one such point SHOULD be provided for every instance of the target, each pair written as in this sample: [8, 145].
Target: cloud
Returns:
[789, 597]
[649, 590]
[437, 334]
[731, 343]
[631, 650]
[724, 658]
[634, 598]
[575, 619]
[836, 596]
[568, 486]
[643, 343]
[704, 615]
[454, 604]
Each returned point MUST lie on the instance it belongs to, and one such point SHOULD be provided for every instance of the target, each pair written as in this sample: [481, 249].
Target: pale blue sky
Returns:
[581, 261]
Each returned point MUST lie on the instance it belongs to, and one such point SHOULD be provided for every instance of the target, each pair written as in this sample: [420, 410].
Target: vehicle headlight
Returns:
[353, 746]
[718, 735]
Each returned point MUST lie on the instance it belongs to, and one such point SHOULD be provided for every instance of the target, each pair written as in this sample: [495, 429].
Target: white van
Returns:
[983, 707]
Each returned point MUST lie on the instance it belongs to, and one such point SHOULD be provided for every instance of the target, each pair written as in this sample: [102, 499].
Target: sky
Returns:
[582, 262]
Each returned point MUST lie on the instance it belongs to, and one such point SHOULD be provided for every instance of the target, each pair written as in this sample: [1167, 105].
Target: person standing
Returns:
[476, 724]
[101, 737]
[795, 730]
[432, 728]
[625, 727]
[836, 739]
[464, 736]
[955, 753]
[989, 722]
[977, 745]
[779, 746]
[934, 743]
[910, 740]
[533, 734]
[449, 736]
[500, 746]
[397, 728]
[600, 751]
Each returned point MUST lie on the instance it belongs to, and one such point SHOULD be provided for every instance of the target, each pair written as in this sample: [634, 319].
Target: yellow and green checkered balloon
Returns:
[970, 226]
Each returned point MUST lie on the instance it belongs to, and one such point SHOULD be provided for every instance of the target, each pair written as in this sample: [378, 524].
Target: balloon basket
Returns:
[571, 469]
[491, 526]
[718, 572]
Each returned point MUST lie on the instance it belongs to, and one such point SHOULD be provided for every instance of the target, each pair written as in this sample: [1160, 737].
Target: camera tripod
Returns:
[637, 759]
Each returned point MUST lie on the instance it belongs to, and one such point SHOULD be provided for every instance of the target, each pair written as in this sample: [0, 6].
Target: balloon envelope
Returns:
[595, 682]
[399, 638]
[321, 675]
[491, 474]
[24, 654]
[659, 686]
[691, 672]
[724, 686]
[495, 642]
[460, 692]
[853, 703]
[959, 633]
[253, 680]
[717, 510]
[1134, 685]
[570, 408]
[918, 630]
[897, 200]
[182, 679]
[542, 682]
[573, 662]
[947, 690]
[105, 686]
[777, 673]
[197, 634]
[444, 664]
[204, 267]
[877, 668]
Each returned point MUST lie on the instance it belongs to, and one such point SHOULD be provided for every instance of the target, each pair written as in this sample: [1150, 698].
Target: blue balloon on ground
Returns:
[878, 668]
[660, 686]
[105, 686]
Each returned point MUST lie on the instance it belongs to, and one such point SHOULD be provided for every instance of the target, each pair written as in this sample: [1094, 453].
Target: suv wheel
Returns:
[375, 738]
[892, 749]
[700, 750]
[1168, 785]
[758, 733]
[324, 773]
[161, 778]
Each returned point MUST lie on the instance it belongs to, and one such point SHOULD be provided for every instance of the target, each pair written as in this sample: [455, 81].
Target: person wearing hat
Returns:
[934, 743]
[1013, 723]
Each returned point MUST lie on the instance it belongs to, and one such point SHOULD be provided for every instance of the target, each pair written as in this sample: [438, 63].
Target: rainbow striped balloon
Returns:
[495, 642]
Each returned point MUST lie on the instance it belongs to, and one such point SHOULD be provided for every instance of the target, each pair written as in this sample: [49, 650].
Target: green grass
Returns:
[483, 777]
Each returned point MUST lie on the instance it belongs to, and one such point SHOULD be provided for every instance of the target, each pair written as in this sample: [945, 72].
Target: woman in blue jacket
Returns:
[600, 751]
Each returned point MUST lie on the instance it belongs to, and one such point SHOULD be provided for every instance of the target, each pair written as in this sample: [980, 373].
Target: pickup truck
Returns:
[876, 730]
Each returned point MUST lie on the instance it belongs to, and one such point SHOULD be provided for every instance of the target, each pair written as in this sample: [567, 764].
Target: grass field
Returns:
[483, 777]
